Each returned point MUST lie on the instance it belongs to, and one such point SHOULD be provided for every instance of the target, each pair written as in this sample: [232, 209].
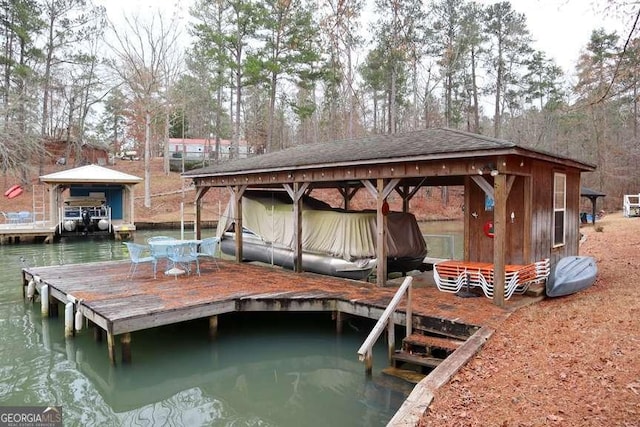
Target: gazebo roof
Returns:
[426, 144]
[90, 174]
[588, 192]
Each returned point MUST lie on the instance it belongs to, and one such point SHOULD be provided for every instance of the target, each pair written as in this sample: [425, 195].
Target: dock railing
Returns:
[365, 353]
[631, 205]
[441, 245]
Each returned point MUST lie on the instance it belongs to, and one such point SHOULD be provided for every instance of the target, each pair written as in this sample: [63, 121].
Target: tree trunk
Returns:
[165, 151]
[474, 89]
[147, 159]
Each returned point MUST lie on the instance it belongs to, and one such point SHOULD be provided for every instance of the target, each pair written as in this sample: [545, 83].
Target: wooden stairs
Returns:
[419, 355]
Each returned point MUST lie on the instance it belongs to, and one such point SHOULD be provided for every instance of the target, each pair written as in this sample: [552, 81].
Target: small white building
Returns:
[200, 148]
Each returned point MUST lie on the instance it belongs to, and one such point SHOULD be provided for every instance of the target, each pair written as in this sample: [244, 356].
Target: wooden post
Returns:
[200, 192]
[238, 192]
[111, 348]
[198, 227]
[368, 363]
[527, 220]
[97, 333]
[467, 218]
[499, 240]
[380, 192]
[296, 192]
[381, 243]
[297, 228]
[53, 306]
[125, 340]
[339, 321]
[409, 325]
[213, 327]
[391, 339]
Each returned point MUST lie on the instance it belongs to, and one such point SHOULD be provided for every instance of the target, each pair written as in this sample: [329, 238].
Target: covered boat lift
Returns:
[520, 204]
[104, 195]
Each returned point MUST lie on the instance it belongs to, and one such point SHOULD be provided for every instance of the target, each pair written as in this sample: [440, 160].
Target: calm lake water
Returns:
[267, 369]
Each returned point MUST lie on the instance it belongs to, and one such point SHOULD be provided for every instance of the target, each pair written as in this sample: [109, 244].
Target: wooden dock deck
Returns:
[45, 231]
[14, 233]
[119, 305]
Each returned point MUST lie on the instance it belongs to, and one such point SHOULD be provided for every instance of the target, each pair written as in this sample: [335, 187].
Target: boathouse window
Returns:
[559, 207]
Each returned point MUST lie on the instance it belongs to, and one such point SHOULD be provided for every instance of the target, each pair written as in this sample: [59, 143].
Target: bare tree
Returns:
[145, 57]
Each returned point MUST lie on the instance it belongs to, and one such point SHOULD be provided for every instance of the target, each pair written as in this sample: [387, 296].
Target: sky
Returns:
[560, 28]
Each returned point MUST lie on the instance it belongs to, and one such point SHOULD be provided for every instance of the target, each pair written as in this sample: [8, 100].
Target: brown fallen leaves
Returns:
[570, 361]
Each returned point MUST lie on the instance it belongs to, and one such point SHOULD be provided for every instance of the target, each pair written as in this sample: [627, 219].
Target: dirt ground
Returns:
[569, 361]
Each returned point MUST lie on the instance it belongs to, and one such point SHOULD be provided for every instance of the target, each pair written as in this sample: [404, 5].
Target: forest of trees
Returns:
[275, 73]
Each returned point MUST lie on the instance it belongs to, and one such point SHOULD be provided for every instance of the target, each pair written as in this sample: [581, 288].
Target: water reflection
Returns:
[263, 369]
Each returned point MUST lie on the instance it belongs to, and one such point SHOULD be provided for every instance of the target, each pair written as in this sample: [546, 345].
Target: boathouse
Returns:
[92, 199]
[520, 205]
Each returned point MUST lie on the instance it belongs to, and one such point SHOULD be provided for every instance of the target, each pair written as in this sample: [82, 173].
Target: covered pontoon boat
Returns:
[334, 242]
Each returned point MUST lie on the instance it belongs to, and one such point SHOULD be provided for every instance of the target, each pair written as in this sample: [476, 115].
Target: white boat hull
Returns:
[570, 275]
[254, 249]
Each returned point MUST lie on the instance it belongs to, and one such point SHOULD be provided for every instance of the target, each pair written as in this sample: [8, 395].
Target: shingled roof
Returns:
[433, 143]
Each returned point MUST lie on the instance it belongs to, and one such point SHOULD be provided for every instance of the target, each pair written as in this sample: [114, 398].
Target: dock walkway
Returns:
[119, 306]
[14, 233]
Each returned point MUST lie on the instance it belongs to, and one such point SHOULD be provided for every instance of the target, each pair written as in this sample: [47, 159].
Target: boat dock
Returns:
[45, 231]
[34, 231]
[117, 306]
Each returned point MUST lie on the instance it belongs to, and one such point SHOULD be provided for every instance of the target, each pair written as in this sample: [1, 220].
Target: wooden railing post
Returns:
[386, 320]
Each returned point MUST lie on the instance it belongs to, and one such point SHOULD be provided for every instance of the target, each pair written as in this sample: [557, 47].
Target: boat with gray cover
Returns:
[570, 275]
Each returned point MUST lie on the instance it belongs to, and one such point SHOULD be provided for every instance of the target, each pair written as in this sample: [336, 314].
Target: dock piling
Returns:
[111, 348]
[68, 320]
[213, 327]
[125, 340]
[44, 300]
[339, 321]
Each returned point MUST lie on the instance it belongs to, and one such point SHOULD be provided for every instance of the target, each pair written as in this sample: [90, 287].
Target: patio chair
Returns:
[11, 217]
[182, 254]
[24, 217]
[159, 247]
[209, 249]
[137, 256]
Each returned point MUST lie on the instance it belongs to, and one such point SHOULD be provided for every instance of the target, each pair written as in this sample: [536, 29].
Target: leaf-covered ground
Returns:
[570, 361]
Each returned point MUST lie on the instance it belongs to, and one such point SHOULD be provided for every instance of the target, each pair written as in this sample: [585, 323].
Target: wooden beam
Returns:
[484, 185]
[510, 180]
[407, 193]
[384, 191]
[296, 194]
[347, 194]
